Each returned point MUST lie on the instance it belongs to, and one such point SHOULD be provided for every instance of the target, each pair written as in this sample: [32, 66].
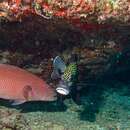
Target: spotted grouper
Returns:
[19, 86]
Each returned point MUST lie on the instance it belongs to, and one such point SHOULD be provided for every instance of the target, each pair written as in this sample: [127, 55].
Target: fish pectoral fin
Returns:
[27, 92]
[18, 102]
[59, 64]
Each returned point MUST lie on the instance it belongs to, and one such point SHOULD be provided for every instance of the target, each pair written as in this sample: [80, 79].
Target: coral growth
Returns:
[98, 11]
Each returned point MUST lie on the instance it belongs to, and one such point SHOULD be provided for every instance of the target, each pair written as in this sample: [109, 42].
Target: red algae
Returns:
[98, 11]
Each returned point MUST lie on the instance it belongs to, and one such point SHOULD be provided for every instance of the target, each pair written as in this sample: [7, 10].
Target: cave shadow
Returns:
[120, 82]
[92, 95]
[116, 78]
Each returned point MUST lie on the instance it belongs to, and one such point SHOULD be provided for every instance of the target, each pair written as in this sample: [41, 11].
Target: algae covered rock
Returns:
[58, 127]
[12, 119]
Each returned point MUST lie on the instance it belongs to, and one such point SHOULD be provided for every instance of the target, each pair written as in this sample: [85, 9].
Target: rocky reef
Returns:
[103, 63]
[11, 119]
[34, 42]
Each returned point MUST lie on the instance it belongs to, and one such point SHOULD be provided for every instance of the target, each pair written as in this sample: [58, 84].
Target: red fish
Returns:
[20, 86]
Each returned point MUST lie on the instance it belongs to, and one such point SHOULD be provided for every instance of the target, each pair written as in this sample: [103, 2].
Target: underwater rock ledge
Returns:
[35, 41]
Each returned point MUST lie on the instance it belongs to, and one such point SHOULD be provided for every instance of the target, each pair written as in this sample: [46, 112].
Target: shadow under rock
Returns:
[92, 101]
[35, 106]
[43, 106]
[93, 95]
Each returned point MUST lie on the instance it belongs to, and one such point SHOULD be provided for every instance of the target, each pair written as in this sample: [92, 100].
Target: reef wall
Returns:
[34, 32]
[36, 40]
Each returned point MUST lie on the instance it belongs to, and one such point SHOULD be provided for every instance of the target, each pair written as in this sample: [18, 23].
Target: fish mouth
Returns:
[63, 88]
[62, 91]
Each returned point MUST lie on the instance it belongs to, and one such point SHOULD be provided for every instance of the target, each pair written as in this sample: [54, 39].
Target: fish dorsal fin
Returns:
[27, 92]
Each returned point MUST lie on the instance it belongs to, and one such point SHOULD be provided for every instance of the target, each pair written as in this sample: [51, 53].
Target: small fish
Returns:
[21, 86]
[66, 73]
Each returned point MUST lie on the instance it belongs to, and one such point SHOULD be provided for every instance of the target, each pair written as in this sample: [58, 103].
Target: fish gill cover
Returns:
[32, 33]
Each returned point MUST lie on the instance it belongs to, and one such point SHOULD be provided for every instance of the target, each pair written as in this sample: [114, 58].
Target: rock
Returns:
[35, 70]
[6, 128]
[4, 60]
[11, 120]
[58, 127]
[48, 124]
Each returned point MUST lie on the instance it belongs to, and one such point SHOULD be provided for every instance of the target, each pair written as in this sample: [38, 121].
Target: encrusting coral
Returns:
[99, 11]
